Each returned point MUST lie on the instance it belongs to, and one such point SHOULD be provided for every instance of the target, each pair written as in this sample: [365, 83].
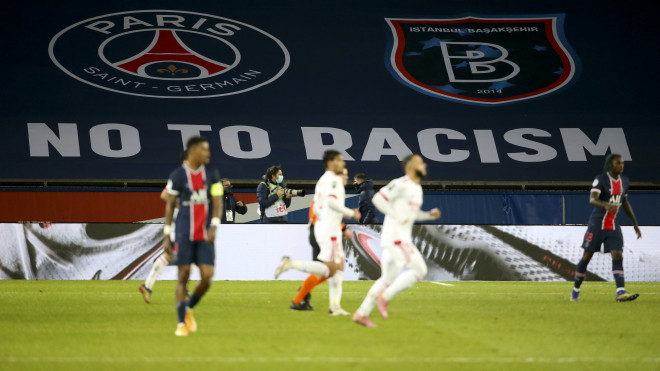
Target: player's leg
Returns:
[304, 295]
[323, 268]
[392, 261]
[181, 294]
[416, 272]
[591, 243]
[615, 245]
[204, 257]
[335, 292]
[157, 268]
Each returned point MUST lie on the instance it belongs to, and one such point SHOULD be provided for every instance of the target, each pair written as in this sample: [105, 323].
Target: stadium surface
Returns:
[99, 325]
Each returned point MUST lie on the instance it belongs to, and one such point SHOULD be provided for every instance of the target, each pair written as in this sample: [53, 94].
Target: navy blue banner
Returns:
[483, 90]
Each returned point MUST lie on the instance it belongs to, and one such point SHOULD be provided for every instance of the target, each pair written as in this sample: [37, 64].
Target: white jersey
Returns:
[405, 198]
[328, 221]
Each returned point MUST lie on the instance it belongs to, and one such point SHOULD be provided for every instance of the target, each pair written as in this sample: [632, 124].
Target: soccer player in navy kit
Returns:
[609, 192]
[199, 190]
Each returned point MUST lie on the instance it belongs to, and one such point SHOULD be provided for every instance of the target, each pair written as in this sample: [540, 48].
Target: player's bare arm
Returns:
[216, 193]
[627, 208]
[169, 214]
[594, 201]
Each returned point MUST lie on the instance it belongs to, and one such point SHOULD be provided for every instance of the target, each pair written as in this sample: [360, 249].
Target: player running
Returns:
[400, 201]
[329, 209]
[164, 259]
[302, 301]
[609, 192]
[198, 190]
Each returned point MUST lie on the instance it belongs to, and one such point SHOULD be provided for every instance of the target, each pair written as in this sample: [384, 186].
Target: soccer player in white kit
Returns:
[329, 209]
[401, 202]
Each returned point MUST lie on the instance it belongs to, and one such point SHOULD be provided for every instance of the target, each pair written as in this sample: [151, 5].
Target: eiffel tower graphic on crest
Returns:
[167, 47]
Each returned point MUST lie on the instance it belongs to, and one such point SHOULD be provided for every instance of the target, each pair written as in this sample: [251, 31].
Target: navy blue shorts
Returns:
[186, 252]
[595, 238]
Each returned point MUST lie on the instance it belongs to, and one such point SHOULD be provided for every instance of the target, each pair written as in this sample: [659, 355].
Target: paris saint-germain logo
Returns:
[483, 61]
[169, 54]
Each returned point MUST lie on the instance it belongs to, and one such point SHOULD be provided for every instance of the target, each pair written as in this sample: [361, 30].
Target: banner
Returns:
[483, 90]
[252, 252]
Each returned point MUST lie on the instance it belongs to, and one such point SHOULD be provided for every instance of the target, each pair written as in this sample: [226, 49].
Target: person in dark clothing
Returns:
[231, 204]
[366, 189]
[273, 202]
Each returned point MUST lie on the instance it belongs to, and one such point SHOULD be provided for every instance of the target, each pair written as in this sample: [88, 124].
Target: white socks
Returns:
[402, 282]
[159, 265]
[370, 300]
[335, 289]
[315, 267]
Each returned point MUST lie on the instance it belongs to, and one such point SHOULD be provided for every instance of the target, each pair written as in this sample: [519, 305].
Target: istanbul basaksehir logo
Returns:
[169, 54]
[485, 61]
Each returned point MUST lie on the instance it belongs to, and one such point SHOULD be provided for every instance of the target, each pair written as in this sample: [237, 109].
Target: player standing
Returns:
[198, 189]
[609, 192]
[329, 209]
[400, 201]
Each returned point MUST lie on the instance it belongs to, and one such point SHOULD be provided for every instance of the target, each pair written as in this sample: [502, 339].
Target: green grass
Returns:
[98, 325]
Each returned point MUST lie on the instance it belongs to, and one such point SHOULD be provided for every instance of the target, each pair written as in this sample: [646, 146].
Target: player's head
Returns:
[414, 165]
[333, 161]
[359, 178]
[184, 155]
[198, 150]
[344, 176]
[613, 164]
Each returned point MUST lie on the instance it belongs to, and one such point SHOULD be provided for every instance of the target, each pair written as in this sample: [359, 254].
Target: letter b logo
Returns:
[477, 62]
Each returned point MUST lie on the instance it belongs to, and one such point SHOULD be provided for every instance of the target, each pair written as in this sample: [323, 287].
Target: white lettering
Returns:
[517, 137]
[486, 146]
[576, 142]
[430, 149]
[188, 131]
[376, 145]
[66, 143]
[258, 141]
[314, 147]
[129, 138]
[96, 26]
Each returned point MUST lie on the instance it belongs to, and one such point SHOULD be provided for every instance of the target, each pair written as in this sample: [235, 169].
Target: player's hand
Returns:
[638, 231]
[239, 203]
[612, 209]
[288, 195]
[167, 245]
[356, 214]
[210, 234]
[435, 213]
[348, 234]
[280, 192]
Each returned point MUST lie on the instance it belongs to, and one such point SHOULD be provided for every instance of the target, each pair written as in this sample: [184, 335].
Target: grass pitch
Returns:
[98, 325]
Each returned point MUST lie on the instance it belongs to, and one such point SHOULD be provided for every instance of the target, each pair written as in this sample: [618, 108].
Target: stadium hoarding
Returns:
[489, 91]
[76, 251]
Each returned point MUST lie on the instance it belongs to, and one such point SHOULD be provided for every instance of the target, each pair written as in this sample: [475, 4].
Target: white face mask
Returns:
[280, 179]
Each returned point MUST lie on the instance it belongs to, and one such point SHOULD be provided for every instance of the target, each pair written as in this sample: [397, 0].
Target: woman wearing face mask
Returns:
[273, 202]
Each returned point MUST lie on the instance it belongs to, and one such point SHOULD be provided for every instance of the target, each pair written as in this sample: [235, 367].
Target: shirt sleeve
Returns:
[597, 186]
[390, 191]
[174, 184]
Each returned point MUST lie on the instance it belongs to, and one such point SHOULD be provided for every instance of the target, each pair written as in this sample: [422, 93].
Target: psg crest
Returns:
[169, 54]
[486, 61]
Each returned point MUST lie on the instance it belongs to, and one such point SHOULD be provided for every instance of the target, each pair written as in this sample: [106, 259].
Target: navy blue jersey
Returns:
[611, 191]
[194, 191]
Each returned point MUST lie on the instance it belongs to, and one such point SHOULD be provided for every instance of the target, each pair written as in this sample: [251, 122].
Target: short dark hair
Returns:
[272, 171]
[329, 155]
[361, 176]
[193, 141]
[184, 155]
[609, 159]
[406, 160]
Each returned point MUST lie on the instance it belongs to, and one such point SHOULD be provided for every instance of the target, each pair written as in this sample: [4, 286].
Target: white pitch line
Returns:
[442, 283]
[376, 360]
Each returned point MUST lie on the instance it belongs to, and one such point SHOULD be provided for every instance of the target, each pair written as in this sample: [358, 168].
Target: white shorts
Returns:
[332, 250]
[398, 255]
